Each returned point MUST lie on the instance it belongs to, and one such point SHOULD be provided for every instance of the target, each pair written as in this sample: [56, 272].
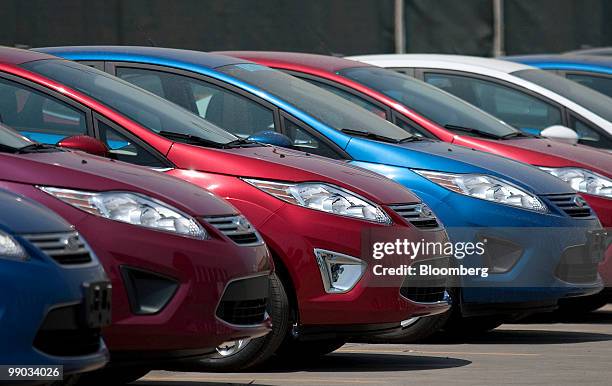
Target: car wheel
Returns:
[413, 330]
[246, 353]
[112, 376]
[310, 348]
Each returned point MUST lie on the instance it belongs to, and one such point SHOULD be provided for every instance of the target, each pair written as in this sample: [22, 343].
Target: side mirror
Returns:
[560, 133]
[271, 138]
[85, 143]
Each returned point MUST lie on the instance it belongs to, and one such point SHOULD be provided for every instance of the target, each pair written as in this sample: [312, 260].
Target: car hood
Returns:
[444, 157]
[20, 215]
[546, 152]
[77, 170]
[274, 163]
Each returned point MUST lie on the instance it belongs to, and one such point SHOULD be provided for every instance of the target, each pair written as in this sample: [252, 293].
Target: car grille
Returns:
[237, 228]
[572, 204]
[576, 266]
[66, 248]
[418, 215]
[426, 289]
[244, 301]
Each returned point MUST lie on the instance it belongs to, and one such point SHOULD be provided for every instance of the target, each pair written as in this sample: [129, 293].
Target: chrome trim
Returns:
[324, 269]
[235, 225]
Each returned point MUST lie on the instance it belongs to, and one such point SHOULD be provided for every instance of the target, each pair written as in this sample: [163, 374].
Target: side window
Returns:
[371, 107]
[37, 116]
[125, 149]
[603, 84]
[588, 135]
[516, 108]
[226, 109]
[305, 141]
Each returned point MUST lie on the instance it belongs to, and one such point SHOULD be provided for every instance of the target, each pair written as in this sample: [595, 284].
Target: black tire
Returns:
[309, 349]
[418, 331]
[112, 376]
[573, 307]
[257, 351]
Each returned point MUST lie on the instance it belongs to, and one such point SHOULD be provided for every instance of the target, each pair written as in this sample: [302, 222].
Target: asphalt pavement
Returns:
[541, 352]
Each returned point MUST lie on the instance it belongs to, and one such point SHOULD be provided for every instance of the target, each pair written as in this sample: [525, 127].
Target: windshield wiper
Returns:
[379, 137]
[241, 142]
[473, 131]
[518, 134]
[190, 138]
[37, 148]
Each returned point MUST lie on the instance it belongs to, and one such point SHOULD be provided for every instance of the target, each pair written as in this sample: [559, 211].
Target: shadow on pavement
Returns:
[353, 362]
[524, 337]
[603, 316]
[189, 383]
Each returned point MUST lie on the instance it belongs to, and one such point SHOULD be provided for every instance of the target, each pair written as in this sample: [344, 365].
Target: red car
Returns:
[314, 213]
[424, 110]
[160, 240]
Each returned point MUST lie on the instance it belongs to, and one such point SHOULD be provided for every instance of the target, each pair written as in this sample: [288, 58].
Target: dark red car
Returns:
[426, 111]
[314, 213]
[185, 280]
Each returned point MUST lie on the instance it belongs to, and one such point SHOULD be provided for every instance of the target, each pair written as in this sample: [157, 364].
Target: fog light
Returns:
[340, 273]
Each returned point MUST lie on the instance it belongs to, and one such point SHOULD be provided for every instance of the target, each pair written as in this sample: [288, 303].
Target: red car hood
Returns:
[273, 163]
[76, 170]
[544, 152]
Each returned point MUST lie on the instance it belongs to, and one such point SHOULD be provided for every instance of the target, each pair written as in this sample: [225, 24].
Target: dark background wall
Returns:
[324, 26]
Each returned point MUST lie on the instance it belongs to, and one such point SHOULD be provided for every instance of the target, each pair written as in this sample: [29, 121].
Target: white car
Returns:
[525, 97]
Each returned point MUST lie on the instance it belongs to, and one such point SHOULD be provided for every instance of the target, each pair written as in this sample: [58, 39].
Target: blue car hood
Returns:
[443, 157]
[22, 216]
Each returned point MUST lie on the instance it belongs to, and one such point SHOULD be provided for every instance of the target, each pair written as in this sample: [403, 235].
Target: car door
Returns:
[226, 106]
[39, 113]
[515, 106]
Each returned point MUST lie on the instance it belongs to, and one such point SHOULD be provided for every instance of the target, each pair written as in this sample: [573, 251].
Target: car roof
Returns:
[321, 62]
[17, 56]
[566, 61]
[424, 60]
[141, 53]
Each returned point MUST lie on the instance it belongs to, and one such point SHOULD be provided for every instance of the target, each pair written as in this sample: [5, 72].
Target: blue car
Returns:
[591, 71]
[536, 229]
[51, 311]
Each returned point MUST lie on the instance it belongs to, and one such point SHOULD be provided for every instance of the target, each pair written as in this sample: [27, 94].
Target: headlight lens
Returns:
[583, 180]
[324, 197]
[485, 187]
[133, 209]
[339, 272]
[10, 249]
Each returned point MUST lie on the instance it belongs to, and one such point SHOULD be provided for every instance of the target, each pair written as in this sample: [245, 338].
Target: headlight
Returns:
[485, 187]
[339, 272]
[10, 249]
[583, 180]
[133, 209]
[324, 197]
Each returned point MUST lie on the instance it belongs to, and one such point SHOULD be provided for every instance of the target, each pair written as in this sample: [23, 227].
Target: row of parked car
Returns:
[159, 205]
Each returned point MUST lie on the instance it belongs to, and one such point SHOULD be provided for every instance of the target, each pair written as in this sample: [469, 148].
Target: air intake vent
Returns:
[65, 248]
[418, 215]
[237, 228]
[244, 301]
[572, 204]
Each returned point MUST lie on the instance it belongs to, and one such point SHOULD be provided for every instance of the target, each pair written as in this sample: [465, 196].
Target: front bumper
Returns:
[34, 293]
[603, 209]
[375, 302]
[191, 274]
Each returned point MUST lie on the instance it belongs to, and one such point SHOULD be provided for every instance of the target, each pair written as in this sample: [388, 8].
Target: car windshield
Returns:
[592, 100]
[437, 105]
[11, 141]
[147, 109]
[327, 107]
